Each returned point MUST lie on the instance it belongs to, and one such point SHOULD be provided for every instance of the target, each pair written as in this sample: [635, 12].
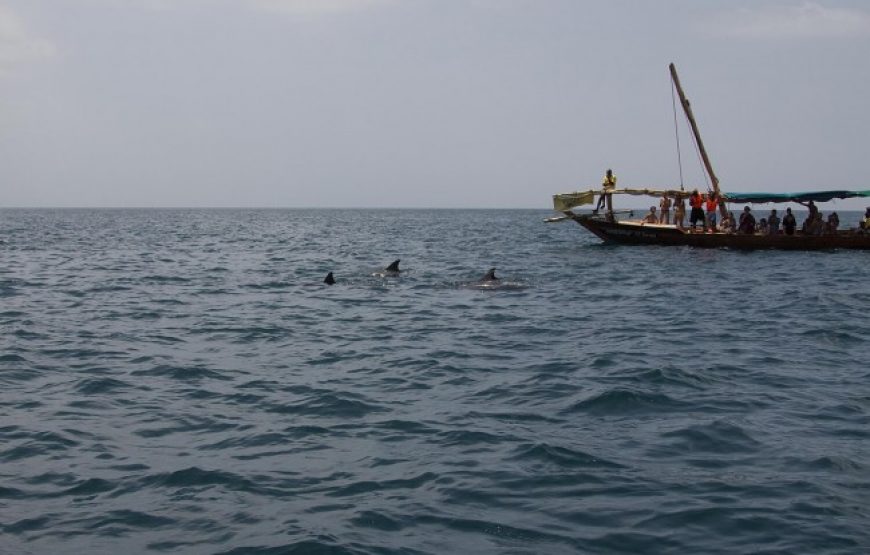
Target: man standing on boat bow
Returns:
[608, 184]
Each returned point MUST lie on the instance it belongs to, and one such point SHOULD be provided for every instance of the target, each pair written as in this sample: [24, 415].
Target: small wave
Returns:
[718, 437]
[131, 519]
[89, 487]
[368, 486]
[108, 289]
[198, 477]
[11, 493]
[635, 542]
[27, 524]
[469, 438]
[40, 443]
[404, 427]
[165, 279]
[268, 285]
[321, 546]
[181, 373]
[515, 417]
[181, 425]
[12, 314]
[536, 539]
[560, 456]
[672, 377]
[624, 401]
[258, 440]
[100, 386]
[828, 463]
[494, 286]
[300, 432]
[377, 521]
[329, 405]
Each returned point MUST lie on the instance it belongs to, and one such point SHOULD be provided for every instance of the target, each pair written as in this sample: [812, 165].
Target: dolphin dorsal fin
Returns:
[394, 267]
[329, 280]
[490, 275]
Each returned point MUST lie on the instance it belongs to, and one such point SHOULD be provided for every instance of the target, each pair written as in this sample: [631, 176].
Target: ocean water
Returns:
[181, 381]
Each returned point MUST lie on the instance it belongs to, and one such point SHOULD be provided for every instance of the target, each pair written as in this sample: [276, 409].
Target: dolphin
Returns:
[390, 271]
[489, 277]
[393, 268]
[329, 280]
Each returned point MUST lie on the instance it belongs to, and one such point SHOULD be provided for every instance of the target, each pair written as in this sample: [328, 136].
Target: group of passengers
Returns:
[705, 208]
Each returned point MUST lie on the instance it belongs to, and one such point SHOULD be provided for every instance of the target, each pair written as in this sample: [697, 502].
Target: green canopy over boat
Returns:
[815, 196]
[566, 201]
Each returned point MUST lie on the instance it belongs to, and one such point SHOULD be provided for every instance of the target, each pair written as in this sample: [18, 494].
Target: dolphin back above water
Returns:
[390, 271]
[491, 282]
[393, 268]
[329, 279]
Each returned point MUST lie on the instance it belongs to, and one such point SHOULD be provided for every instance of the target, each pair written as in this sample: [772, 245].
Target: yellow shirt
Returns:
[609, 182]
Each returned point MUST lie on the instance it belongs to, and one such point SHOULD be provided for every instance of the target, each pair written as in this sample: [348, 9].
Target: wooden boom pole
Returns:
[688, 109]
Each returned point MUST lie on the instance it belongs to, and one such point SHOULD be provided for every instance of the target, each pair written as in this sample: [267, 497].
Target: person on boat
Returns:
[811, 206]
[727, 223]
[789, 222]
[732, 223]
[762, 227]
[680, 211]
[833, 223]
[608, 184]
[711, 205]
[773, 223]
[665, 209]
[696, 201]
[651, 216]
[747, 222]
[814, 226]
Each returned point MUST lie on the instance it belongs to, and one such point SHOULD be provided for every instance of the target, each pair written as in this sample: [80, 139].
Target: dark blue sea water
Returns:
[181, 381]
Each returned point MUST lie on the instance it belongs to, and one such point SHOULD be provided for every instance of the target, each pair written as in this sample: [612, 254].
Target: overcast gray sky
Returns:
[421, 103]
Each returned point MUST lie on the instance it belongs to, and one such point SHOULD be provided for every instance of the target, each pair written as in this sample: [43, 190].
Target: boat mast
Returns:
[688, 109]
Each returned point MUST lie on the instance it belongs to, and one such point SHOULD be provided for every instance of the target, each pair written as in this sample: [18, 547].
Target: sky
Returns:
[423, 103]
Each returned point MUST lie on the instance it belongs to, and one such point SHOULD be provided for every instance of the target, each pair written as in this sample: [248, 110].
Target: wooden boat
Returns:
[638, 233]
[611, 229]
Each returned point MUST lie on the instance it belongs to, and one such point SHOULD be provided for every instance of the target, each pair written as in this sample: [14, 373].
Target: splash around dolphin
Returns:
[490, 282]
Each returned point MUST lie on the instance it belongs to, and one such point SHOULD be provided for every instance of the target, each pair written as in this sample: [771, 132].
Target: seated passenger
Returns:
[747, 222]
[773, 223]
[814, 224]
[789, 222]
[728, 224]
[762, 227]
[651, 217]
[833, 223]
